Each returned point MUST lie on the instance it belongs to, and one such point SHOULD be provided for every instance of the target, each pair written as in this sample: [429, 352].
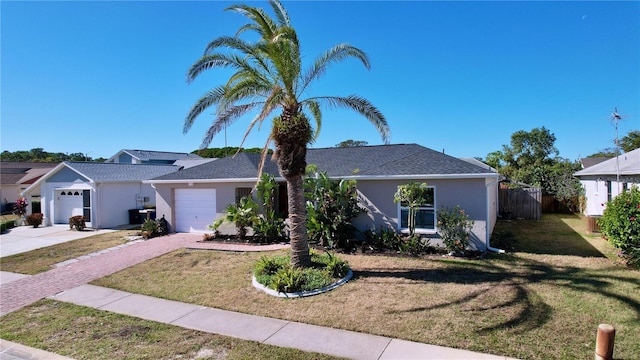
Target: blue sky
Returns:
[97, 77]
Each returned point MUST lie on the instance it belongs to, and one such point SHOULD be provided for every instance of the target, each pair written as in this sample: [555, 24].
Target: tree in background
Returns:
[631, 141]
[352, 143]
[215, 153]
[269, 77]
[532, 158]
[39, 155]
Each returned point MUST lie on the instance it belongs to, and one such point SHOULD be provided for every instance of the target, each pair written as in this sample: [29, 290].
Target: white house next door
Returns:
[195, 209]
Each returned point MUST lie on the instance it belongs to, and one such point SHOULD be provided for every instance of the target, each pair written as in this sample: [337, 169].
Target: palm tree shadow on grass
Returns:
[550, 235]
[532, 312]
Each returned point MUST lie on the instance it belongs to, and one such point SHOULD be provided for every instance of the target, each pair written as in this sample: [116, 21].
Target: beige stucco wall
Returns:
[225, 195]
[470, 194]
[377, 197]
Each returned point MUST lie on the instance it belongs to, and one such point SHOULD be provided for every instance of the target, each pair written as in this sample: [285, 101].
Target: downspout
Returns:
[488, 234]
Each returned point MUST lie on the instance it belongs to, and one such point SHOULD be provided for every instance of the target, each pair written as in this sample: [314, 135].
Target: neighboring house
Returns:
[129, 156]
[191, 199]
[600, 181]
[16, 176]
[590, 161]
[102, 192]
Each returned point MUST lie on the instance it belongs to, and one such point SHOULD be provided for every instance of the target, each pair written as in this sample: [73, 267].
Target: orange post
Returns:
[604, 342]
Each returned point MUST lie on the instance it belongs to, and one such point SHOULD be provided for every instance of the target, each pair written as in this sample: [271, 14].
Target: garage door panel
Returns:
[195, 209]
[67, 205]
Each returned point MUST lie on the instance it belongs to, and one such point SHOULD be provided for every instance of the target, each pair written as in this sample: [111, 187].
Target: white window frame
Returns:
[419, 230]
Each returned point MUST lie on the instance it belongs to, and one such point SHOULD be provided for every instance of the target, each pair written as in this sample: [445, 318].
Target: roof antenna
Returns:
[443, 150]
[615, 118]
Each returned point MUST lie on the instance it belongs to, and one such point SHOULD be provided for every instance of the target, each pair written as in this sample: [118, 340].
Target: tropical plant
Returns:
[279, 274]
[454, 228]
[412, 195]
[269, 77]
[243, 215]
[20, 207]
[268, 224]
[620, 224]
[331, 206]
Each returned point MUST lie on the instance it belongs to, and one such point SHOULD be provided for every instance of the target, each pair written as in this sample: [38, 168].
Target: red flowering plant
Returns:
[21, 206]
[620, 224]
[454, 228]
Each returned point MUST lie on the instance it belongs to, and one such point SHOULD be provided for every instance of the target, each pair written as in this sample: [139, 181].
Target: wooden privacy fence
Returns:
[521, 203]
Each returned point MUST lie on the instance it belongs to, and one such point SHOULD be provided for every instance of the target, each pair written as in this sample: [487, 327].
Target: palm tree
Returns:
[268, 77]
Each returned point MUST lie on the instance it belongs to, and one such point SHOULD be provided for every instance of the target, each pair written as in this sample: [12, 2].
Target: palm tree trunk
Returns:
[298, 222]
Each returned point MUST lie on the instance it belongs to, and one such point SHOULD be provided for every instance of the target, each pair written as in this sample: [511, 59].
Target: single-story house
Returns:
[102, 192]
[603, 181]
[16, 176]
[191, 199]
[105, 192]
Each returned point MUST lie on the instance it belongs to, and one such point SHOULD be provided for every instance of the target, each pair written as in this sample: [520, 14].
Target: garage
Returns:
[68, 204]
[195, 209]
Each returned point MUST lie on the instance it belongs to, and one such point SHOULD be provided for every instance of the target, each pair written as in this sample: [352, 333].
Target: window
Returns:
[425, 215]
[609, 191]
[242, 192]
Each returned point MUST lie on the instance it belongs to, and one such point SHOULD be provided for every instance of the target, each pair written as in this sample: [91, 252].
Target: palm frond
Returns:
[225, 119]
[210, 98]
[264, 25]
[316, 113]
[361, 105]
[229, 42]
[211, 61]
[281, 13]
[333, 55]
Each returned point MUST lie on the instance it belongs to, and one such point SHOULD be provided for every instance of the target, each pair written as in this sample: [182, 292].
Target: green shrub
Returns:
[269, 224]
[620, 224]
[152, 228]
[243, 215]
[454, 228]
[331, 207]
[384, 239]
[277, 273]
[269, 265]
[7, 224]
[287, 279]
[35, 219]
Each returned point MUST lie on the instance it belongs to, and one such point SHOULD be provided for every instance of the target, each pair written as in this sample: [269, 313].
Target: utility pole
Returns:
[615, 117]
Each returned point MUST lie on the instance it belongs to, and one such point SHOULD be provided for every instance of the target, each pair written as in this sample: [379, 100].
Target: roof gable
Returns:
[154, 156]
[626, 164]
[402, 160]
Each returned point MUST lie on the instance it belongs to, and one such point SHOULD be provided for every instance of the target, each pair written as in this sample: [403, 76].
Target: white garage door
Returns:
[195, 209]
[68, 204]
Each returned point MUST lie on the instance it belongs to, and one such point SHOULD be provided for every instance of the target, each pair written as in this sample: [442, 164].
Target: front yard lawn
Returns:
[544, 300]
[545, 303]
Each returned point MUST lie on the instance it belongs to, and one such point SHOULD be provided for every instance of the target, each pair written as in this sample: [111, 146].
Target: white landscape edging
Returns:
[276, 293]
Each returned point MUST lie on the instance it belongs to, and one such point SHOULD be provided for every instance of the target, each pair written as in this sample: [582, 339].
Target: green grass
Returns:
[85, 333]
[41, 260]
[543, 300]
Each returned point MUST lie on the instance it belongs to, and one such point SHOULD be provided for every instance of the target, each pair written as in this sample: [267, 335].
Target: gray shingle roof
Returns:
[150, 155]
[628, 164]
[373, 161]
[113, 172]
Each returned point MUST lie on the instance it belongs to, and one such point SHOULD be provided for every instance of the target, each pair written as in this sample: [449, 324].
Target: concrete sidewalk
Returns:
[270, 331]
